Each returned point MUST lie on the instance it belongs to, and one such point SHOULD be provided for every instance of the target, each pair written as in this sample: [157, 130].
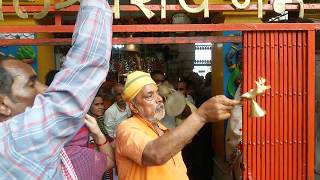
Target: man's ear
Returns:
[133, 108]
[4, 109]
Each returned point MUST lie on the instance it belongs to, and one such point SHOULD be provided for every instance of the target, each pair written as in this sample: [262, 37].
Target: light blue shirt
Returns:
[30, 143]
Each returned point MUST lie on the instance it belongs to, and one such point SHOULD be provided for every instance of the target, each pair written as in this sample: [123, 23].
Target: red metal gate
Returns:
[280, 145]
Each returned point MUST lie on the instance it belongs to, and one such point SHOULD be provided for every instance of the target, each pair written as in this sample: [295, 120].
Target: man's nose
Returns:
[158, 98]
[41, 88]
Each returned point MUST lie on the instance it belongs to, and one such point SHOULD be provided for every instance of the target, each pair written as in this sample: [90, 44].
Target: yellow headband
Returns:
[134, 83]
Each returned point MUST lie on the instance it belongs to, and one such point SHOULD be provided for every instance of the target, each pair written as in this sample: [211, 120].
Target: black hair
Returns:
[157, 72]
[185, 81]
[6, 80]
[50, 76]
[207, 81]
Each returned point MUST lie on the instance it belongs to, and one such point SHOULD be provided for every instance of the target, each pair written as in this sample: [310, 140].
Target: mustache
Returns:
[160, 107]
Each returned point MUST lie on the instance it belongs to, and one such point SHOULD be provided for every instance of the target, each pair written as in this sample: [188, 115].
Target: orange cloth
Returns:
[132, 137]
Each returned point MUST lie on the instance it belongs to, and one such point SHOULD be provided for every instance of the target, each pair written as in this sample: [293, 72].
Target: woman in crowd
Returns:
[89, 163]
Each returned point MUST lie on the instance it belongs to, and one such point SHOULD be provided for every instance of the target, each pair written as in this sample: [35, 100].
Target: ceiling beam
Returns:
[134, 40]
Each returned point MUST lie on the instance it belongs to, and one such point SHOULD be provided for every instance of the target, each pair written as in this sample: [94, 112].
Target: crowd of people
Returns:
[63, 130]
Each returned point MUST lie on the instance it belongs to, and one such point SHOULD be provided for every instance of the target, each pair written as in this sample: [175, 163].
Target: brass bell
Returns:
[256, 110]
[131, 48]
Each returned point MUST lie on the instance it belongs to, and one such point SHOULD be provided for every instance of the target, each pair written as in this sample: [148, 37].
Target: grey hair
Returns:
[113, 88]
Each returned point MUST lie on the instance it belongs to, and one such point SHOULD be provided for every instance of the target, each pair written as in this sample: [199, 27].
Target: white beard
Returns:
[158, 114]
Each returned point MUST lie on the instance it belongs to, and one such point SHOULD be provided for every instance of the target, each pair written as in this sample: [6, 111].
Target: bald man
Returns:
[145, 149]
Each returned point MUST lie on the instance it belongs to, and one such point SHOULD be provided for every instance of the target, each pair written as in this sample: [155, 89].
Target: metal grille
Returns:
[280, 145]
[203, 54]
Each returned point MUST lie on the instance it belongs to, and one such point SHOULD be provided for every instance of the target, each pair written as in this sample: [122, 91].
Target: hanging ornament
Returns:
[256, 110]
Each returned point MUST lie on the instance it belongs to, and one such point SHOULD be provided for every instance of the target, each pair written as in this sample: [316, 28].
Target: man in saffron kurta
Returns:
[145, 149]
[130, 153]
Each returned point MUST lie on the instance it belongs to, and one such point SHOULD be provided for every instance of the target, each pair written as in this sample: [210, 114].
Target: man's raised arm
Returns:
[31, 141]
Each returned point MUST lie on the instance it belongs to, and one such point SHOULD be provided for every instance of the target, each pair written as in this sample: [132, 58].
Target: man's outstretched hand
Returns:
[216, 109]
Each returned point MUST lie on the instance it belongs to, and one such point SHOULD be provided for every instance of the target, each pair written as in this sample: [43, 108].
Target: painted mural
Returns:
[27, 54]
[232, 65]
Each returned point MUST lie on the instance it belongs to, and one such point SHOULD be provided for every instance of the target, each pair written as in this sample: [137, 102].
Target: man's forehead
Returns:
[18, 68]
[149, 88]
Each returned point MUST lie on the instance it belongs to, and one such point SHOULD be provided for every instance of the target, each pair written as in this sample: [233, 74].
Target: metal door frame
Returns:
[280, 145]
[310, 28]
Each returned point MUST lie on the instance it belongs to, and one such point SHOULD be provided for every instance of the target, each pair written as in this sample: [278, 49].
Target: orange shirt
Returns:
[131, 138]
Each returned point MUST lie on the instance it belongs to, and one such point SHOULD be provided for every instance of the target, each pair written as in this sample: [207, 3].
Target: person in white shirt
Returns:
[233, 139]
[117, 112]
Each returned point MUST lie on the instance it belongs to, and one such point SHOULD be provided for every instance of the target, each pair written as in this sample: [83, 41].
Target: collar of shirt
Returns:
[156, 127]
